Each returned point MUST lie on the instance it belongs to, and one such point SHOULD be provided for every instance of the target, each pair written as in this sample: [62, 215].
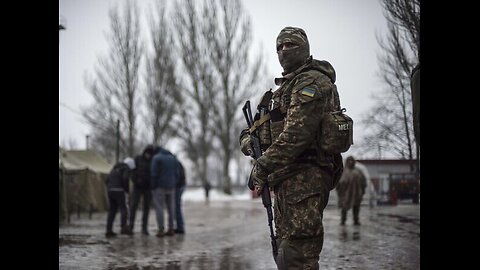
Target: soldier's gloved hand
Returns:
[245, 143]
[259, 175]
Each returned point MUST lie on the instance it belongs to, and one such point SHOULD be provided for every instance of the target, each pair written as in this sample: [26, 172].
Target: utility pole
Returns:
[86, 143]
[118, 142]
[64, 182]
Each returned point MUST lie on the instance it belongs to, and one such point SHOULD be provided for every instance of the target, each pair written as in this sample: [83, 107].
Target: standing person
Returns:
[117, 190]
[300, 173]
[207, 186]
[350, 190]
[179, 188]
[141, 187]
[164, 174]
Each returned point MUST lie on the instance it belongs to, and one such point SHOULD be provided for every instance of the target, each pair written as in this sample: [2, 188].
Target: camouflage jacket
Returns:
[301, 100]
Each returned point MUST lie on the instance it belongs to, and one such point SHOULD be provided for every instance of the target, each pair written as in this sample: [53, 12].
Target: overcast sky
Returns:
[342, 32]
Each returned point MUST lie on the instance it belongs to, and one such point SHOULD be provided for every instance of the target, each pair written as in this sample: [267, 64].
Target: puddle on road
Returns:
[225, 259]
[78, 239]
[348, 234]
[402, 219]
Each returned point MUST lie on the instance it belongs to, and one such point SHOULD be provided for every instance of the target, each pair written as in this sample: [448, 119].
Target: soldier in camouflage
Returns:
[350, 190]
[300, 174]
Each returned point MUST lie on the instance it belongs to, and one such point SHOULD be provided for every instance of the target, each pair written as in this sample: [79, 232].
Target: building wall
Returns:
[380, 170]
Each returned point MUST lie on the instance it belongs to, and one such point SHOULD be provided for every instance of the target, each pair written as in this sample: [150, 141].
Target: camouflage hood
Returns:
[323, 66]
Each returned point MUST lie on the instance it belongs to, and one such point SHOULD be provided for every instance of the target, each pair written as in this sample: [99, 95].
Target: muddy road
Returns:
[234, 236]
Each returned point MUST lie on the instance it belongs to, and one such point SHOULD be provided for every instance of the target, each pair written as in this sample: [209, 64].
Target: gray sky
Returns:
[339, 31]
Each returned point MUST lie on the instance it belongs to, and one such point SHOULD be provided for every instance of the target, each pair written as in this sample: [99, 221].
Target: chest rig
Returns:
[271, 125]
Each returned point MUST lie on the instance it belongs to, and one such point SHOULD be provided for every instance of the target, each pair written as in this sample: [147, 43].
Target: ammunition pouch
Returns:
[262, 122]
[332, 163]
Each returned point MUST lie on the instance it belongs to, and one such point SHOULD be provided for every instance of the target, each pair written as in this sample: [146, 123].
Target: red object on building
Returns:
[393, 197]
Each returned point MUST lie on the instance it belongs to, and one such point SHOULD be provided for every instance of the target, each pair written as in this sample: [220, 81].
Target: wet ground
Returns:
[234, 236]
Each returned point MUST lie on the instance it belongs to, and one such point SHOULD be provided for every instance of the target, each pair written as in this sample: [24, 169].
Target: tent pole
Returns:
[67, 215]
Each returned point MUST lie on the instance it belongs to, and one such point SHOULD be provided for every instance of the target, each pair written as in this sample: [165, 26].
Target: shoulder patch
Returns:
[308, 91]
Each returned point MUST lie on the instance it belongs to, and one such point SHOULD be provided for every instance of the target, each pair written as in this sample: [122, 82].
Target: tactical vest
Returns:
[270, 130]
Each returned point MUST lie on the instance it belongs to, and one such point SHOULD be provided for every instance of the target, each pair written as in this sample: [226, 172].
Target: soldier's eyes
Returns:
[285, 46]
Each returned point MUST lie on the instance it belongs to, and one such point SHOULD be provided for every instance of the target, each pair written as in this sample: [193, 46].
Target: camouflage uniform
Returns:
[302, 176]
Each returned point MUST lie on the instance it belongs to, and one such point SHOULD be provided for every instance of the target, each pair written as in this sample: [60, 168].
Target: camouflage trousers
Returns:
[299, 204]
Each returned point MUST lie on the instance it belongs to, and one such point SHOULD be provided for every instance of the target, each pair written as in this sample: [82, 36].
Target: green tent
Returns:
[82, 175]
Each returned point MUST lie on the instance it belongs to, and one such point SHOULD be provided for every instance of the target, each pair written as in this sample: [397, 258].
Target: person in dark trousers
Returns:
[164, 175]
[180, 187]
[207, 188]
[117, 190]
[141, 187]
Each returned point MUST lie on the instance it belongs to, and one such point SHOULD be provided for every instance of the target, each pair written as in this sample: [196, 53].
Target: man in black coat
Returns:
[179, 189]
[141, 187]
[117, 190]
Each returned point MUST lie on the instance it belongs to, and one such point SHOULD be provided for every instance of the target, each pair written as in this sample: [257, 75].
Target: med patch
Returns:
[308, 91]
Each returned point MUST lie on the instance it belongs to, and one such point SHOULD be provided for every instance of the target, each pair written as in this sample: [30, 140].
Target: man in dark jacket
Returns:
[141, 187]
[117, 190]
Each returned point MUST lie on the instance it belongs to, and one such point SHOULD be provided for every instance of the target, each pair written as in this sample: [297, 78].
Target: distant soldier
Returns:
[350, 190]
[300, 173]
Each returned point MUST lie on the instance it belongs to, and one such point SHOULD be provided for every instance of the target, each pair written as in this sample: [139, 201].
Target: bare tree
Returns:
[195, 130]
[102, 117]
[214, 40]
[163, 96]
[229, 37]
[390, 121]
[116, 83]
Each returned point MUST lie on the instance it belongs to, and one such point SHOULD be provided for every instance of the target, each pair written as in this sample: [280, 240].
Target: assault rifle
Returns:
[262, 110]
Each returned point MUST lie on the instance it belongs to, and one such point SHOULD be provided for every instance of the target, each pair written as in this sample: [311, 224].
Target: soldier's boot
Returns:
[344, 217]
[356, 211]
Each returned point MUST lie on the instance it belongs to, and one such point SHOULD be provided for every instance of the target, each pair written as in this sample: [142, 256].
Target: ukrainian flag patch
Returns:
[308, 92]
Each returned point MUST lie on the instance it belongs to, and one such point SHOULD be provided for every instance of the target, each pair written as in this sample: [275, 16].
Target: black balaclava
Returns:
[293, 58]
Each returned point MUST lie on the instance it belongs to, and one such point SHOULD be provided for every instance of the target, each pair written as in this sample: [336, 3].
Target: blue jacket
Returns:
[164, 173]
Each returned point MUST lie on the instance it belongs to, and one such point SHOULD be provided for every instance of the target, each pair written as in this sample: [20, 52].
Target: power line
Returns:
[71, 109]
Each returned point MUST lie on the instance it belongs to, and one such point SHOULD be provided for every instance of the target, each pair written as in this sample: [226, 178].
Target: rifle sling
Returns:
[259, 122]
